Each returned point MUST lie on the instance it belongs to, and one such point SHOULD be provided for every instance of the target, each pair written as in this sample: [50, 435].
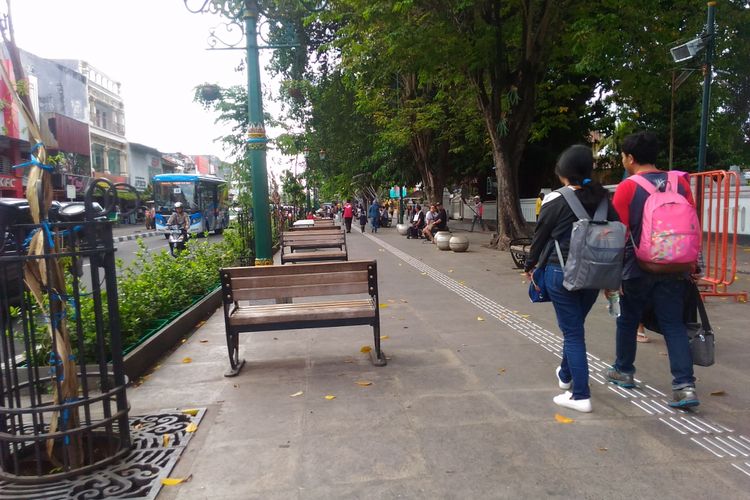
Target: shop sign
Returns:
[140, 183]
[8, 182]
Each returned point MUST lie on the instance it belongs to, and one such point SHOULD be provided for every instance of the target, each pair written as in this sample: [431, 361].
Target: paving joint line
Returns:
[518, 323]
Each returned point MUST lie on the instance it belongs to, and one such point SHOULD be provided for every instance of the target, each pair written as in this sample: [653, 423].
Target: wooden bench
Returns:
[317, 246]
[519, 251]
[322, 222]
[304, 280]
[301, 229]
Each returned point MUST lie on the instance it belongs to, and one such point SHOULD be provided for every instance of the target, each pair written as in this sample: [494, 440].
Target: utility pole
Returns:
[707, 75]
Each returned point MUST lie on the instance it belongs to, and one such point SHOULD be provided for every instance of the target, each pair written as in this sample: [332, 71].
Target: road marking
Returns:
[549, 340]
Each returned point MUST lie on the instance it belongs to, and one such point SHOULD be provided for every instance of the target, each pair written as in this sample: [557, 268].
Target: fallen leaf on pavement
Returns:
[384, 337]
[562, 419]
[200, 324]
[330, 397]
[424, 274]
[603, 449]
[391, 301]
[461, 282]
[404, 301]
[501, 370]
[190, 411]
[203, 341]
[172, 481]
[718, 393]
[165, 440]
[187, 360]
[525, 315]
[381, 250]
[479, 318]
[365, 348]
[363, 383]
[662, 353]
[300, 393]
[450, 270]
[192, 427]
[383, 306]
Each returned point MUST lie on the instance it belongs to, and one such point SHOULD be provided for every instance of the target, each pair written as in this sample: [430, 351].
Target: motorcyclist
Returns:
[179, 218]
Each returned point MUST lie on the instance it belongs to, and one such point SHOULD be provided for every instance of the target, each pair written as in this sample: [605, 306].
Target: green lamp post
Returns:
[244, 14]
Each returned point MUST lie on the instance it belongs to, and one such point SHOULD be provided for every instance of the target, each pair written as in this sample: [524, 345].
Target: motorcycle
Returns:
[177, 236]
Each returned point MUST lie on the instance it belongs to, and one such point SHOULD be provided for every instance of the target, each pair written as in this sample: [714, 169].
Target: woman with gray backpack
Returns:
[577, 248]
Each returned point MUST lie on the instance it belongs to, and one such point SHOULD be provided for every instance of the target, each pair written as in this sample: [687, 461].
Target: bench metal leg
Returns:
[377, 356]
[233, 346]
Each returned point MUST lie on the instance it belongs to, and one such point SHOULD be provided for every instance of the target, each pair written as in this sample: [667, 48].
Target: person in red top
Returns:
[348, 215]
[640, 288]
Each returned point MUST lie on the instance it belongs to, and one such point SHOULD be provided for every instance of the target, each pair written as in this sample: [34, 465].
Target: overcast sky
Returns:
[155, 48]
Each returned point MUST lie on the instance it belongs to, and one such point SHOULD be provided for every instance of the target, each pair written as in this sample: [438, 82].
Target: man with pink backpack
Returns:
[661, 253]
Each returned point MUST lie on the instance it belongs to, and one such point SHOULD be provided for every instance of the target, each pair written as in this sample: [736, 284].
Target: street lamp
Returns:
[687, 51]
[244, 15]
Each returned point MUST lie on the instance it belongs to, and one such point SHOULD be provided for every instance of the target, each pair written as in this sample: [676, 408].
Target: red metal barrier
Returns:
[716, 196]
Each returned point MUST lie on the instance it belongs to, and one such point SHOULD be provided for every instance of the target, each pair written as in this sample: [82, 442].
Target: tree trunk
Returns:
[511, 223]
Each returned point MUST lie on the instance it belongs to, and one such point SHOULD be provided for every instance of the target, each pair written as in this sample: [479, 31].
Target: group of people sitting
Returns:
[425, 224]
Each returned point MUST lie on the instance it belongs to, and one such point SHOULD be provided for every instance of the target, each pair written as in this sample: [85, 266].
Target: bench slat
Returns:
[258, 315]
[307, 256]
[299, 279]
[299, 291]
[320, 267]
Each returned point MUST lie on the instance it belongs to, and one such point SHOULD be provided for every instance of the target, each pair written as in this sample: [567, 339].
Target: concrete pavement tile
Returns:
[454, 409]
[510, 483]
[484, 449]
[378, 453]
[254, 419]
[244, 467]
[426, 357]
[340, 380]
[675, 481]
[536, 404]
[205, 493]
[437, 380]
[616, 443]
[411, 489]
[150, 397]
[352, 414]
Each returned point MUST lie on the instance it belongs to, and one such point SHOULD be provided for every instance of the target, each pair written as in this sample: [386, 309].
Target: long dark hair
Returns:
[577, 165]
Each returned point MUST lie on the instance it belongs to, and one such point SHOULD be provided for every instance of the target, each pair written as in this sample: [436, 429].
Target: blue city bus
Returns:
[204, 198]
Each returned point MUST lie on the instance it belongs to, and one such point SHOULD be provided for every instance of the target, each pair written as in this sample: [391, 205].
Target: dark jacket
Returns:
[555, 223]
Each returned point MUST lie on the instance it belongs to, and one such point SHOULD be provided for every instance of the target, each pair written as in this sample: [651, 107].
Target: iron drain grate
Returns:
[138, 476]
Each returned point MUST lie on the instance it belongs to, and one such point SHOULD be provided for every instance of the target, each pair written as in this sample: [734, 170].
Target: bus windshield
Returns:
[166, 194]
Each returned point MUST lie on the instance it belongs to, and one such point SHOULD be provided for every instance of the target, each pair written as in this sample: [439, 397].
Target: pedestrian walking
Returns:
[642, 284]
[374, 213]
[574, 169]
[478, 213]
[362, 220]
[348, 215]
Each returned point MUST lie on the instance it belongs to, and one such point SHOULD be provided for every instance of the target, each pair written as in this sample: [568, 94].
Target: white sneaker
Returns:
[562, 385]
[566, 400]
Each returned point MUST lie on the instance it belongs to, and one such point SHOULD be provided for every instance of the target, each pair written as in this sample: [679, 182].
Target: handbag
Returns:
[701, 336]
[537, 288]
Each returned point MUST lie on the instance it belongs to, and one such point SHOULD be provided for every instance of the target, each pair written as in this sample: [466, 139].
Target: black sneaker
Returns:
[684, 398]
[619, 378]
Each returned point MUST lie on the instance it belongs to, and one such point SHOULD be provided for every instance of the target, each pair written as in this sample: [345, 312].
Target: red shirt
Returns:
[348, 211]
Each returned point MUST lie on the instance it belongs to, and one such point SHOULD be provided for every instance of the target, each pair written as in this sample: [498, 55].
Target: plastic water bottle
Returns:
[614, 304]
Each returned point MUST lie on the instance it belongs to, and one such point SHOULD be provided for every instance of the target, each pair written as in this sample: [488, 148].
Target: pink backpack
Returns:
[671, 233]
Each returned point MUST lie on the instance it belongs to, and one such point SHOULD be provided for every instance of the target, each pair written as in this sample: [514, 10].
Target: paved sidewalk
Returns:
[464, 408]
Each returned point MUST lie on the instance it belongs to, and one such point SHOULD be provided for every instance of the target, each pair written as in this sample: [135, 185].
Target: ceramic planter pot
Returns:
[402, 229]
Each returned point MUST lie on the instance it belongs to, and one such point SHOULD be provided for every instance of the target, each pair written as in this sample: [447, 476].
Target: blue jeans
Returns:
[571, 309]
[666, 295]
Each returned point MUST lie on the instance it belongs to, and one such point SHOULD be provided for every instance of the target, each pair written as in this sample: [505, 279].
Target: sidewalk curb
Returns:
[134, 236]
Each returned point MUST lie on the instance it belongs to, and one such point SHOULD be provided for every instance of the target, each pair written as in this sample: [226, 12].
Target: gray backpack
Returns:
[597, 247]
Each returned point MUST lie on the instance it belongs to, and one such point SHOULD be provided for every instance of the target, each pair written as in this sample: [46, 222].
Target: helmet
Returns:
[178, 204]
